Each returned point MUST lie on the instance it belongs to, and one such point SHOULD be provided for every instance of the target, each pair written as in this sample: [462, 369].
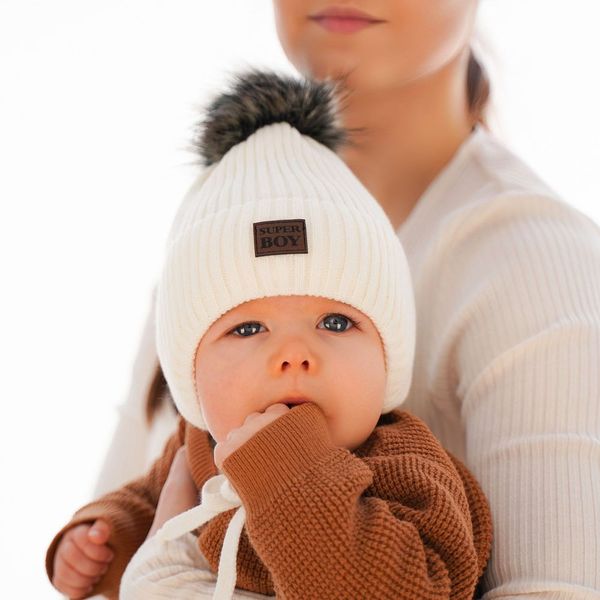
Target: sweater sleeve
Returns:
[129, 511]
[172, 570]
[323, 530]
[522, 325]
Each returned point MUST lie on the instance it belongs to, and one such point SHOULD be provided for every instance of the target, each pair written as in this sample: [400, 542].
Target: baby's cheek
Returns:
[216, 427]
[220, 416]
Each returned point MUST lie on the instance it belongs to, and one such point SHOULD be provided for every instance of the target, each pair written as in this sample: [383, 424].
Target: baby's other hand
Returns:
[178, 494]
[254, 423]
[82, 557]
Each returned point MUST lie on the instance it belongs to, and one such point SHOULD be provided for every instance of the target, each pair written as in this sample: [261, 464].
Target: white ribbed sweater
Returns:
[507, 365]
[507, 370]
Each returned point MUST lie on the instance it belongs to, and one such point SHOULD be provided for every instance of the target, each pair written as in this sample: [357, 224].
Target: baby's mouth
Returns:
[292, 402]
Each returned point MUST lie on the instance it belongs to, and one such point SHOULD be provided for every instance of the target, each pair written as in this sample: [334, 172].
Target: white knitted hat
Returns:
[277, 212]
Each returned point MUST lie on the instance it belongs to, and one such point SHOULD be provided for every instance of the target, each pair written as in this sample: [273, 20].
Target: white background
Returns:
[97, 100]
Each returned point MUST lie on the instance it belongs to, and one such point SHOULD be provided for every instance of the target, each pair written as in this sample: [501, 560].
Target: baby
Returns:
[285, 329]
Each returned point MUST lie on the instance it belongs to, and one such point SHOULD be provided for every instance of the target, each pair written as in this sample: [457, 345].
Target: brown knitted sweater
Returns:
[398, 518]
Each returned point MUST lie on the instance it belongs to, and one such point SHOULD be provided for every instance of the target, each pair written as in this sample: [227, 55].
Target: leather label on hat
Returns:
[280, 237]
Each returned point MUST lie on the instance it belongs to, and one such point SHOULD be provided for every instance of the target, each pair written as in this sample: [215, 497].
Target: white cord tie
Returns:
[217, 496]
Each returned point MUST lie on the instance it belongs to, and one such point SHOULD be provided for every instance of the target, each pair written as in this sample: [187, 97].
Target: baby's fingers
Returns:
[69, 581]
[71, 591]
[99, 532]
[92, 550]
[78, 562]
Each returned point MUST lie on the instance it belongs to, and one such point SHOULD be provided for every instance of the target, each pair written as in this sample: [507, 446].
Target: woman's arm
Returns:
[520, 312]
[172, 569]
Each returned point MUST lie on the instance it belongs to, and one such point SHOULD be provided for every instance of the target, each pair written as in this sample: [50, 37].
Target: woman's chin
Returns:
[355, 76]
[349, 76]
[337, 65]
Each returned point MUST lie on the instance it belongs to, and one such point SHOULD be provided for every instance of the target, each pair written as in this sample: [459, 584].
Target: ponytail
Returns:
[158, 393]
[478, 89]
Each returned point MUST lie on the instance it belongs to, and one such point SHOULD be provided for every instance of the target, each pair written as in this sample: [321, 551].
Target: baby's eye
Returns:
[337, 322]
[246, 329]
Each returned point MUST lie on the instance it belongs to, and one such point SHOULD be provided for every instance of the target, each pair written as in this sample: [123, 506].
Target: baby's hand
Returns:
[254, 422]
[178, 494]
[82, 557]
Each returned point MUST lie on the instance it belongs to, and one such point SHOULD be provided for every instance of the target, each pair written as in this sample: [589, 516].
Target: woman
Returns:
[506, 276]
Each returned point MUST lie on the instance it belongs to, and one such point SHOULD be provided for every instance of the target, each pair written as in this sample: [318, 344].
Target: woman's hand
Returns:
[178, 494]
[254, 422]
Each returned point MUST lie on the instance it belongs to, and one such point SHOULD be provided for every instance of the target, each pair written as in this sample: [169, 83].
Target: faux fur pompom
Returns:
[258, 98]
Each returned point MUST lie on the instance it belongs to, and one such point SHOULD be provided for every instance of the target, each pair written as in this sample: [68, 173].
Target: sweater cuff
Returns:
[57, 538]
[124, 539]
[283, 451]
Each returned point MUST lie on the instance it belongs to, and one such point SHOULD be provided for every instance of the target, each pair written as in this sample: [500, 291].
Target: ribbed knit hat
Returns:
[277, 212]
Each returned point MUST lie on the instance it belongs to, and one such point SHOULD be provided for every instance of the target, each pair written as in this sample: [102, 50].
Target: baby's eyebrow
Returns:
[342, 308]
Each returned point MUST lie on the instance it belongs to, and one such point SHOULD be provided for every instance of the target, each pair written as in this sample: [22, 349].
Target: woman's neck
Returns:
[411, 133]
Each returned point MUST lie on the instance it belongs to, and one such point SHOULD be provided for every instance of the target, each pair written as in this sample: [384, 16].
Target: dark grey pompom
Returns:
[259, 98]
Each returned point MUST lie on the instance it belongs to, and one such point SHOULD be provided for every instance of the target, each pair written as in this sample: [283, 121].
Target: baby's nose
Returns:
[294, 355]
[295, 364]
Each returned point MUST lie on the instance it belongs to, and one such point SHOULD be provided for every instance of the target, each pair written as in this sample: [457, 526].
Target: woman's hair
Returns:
[478, 94]
[158, 393]
[478, 89]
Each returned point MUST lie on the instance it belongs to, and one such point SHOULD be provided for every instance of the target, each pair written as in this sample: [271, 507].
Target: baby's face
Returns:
[272, 349]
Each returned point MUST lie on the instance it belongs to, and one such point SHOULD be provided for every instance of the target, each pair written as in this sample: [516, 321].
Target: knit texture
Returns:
[506, 277]
[507, 286]
[398, 518]
[353, 254]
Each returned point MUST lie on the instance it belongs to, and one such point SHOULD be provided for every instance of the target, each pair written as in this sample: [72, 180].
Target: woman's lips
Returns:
[343, 20]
